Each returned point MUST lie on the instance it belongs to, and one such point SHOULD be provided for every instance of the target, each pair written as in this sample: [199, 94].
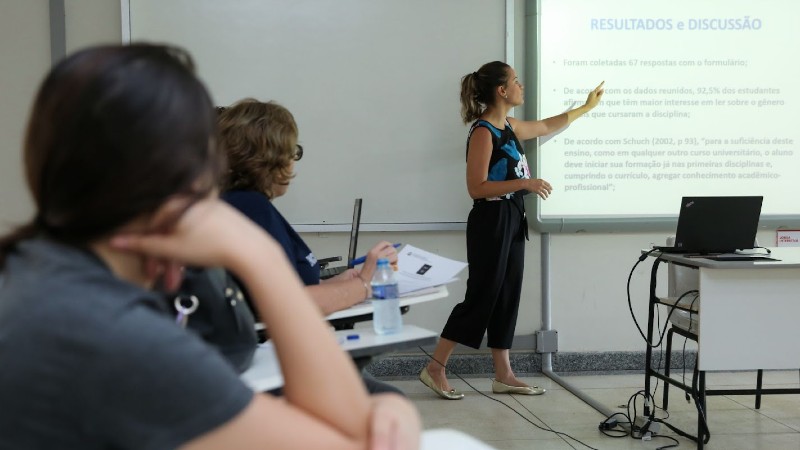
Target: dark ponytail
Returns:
[477, 89]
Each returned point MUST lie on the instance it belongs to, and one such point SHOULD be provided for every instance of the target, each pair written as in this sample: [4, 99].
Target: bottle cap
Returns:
[382, 261]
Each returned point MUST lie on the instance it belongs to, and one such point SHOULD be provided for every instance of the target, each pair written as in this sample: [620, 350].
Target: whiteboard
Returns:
[373, 85]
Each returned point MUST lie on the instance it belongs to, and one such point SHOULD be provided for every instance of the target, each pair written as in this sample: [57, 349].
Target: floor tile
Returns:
[734, 422]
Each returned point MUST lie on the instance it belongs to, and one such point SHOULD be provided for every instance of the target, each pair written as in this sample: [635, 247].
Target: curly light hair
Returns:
[260, 140]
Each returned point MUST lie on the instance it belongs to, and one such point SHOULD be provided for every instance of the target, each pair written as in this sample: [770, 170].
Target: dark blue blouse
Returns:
[260, 210]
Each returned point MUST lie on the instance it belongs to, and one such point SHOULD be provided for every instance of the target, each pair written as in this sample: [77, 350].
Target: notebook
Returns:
[716, 225]
[351, 252]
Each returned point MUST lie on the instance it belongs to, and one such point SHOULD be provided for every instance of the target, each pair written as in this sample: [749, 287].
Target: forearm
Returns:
[337, 295]
[304, 344]
[488, 189]
[530, 129]
[573, 114]
[556, 123]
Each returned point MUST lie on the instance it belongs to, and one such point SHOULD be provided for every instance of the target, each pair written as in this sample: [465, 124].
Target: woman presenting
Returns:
[497, 179]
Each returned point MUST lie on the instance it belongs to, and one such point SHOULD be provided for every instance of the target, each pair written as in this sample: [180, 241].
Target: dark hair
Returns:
[115, 131]
[260, 141]
[478, 88]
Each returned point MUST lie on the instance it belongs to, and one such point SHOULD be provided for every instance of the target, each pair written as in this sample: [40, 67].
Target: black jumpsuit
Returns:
[496, 234]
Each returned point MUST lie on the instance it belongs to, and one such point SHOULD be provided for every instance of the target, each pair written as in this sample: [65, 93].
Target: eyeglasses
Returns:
[298, 153]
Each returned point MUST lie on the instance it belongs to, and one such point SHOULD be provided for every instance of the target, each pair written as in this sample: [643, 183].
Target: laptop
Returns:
[709, 225]
[329, 272]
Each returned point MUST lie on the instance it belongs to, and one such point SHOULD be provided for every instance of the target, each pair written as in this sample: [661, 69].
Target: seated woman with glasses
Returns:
[260, 140]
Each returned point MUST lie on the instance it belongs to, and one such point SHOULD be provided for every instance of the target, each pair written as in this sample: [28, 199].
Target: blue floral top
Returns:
[260, 210]
[508, 161]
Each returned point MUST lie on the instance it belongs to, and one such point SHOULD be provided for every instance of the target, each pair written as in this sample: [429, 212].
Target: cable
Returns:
[628, 290]
[683, 355]
[630, 303]
[548, 427]
[641, 432]
[558, 433]
[685, 340]
[636, 432]
[664, 447]
[693, 391]
[661, 349]
[700, 409]
[660, 361]
[672, 309]
[610, 424]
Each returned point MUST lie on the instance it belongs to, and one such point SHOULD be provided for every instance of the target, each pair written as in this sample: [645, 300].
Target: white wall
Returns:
[92, 22]
[589, 270]
[25, 56]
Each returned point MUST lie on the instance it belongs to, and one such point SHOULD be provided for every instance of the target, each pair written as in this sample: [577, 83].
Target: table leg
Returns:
[649, 352]
[702, 417]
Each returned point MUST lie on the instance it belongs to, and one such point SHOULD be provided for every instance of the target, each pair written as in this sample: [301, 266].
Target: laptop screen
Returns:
[351, 253]
[717, 224]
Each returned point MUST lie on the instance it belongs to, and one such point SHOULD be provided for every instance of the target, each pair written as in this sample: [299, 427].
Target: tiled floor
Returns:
[733, 421]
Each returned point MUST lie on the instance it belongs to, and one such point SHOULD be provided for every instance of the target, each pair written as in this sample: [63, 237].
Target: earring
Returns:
[505, 96]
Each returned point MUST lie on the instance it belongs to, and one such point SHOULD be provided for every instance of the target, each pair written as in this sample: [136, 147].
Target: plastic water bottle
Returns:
[386, 319]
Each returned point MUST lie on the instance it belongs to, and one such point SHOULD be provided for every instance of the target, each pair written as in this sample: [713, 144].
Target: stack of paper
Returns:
[418, 269]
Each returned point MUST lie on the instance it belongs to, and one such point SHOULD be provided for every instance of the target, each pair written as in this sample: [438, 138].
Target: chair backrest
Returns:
[680, 278]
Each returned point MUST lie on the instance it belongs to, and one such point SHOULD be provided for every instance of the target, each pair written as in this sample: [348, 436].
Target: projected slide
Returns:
[702, 98]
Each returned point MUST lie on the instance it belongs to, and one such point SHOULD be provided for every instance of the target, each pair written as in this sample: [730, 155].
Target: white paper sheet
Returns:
[418, 269]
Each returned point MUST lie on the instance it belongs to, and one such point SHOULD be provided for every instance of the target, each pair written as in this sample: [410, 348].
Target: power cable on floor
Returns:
[560, 434]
